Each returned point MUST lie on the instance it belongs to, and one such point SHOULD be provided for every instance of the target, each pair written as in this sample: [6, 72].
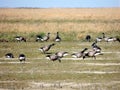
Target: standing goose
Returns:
[46, 38]
[57, 38]
[79, 54]
[9, 55]
[22, 57]
[44, 49]
[54, 57]
[61, 54]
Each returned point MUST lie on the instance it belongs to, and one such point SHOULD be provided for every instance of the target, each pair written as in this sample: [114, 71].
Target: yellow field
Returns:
[56, 19]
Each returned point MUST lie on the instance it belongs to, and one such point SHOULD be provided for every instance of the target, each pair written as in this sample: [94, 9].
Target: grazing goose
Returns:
[9, 55]
[92, 53]
[61, 54]
[44, 49]
[54, 57]
[20, 38]
[88, 38]
[39, 38]
[79, 54]
[22, 57]
[46, 37]
[57, 38]
[111, 39]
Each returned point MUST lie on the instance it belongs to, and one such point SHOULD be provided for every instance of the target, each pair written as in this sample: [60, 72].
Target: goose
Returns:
[88, 38]
[22, 57]
[57, 38]
[96, 47]
[107, 39]
[9, 55]
[92, 53]
[46, 37]
[44, 49]
[110, 39]
[20, 38]
[79, 54]
[99, 39]
[61, 54]
[53, 57]
[39, 38]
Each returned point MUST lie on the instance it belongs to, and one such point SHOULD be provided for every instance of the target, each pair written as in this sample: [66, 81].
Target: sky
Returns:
[59, 3]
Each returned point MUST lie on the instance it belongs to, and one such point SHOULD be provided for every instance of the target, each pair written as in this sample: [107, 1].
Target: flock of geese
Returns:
[107, 39]
[96, 50]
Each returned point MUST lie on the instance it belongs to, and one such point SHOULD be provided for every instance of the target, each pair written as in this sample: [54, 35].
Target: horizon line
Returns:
[55, 7]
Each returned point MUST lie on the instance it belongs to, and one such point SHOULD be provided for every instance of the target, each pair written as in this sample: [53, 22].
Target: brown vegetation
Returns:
[83, 20]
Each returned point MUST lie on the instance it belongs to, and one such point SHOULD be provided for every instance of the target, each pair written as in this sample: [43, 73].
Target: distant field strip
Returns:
[59, 21]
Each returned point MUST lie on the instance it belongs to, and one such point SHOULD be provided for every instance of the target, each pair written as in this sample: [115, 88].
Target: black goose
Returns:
[44, 49]
[22, 57]
[88, 38]
[9, 55]
[79, 54]
[54, 57]
[61, 54]
[57, 38]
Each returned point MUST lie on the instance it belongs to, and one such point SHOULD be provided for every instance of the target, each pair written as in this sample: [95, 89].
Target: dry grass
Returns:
[52, 20]
[82, 13]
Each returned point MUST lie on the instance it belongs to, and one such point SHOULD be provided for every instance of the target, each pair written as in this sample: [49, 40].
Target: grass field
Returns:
[39, 73]
[71, 74]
